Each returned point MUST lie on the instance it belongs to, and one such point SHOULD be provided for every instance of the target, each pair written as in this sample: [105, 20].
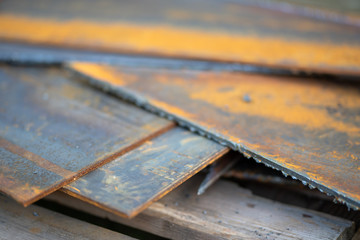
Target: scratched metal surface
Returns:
[200, 29]
[151, 171]
[53, 130]
[306, 128]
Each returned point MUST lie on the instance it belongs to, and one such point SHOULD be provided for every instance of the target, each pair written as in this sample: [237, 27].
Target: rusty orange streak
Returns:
[35, 158]
[102, 72]
[176, 41]
[14, 186]
[175, 110]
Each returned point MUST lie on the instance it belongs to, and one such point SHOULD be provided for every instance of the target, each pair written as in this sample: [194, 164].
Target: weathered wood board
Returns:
[35, 223]
[134, 180]
[224, 211]
[357, 235]
[202, 29]
[306, 128]
[53, 130]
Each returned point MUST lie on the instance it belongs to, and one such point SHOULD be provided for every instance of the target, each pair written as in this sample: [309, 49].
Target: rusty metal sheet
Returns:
[20, 53]
[131, 182]
[306, 128]
[201, 29]
[53, 130]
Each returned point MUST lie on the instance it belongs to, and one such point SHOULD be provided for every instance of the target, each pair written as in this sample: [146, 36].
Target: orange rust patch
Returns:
[14, 186]
[288, 101]
[168, 40]
[102, 72]
[174, 110]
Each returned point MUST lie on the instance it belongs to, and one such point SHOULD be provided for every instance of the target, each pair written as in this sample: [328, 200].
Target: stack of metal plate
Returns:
[118, 103]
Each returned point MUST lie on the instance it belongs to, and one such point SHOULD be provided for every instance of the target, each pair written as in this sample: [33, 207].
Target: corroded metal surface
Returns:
[309, 129]
[201, 29]
[53, 130]
[133, 181]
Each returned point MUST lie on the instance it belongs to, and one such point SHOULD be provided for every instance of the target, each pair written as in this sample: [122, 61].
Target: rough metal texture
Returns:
[53, 130]
[201, 29]
[306, 128]
[131, 182]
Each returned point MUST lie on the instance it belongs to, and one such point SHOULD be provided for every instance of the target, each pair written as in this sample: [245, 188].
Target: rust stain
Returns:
[41, 162]
[14, 186]
[73, 188]
[94, 70]
[161, 104]
[183, 42]
[288, 101]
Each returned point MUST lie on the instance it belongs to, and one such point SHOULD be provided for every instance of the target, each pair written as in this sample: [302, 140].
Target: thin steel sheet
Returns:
[131, 182]
[201, 29]
[53, 130]
[31, 54]
[306, 128]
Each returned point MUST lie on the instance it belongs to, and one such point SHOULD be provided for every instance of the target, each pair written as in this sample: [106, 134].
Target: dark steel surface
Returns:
[202, 29]
[131, 182]
[53, 130]
[251, 172]
[306, 128]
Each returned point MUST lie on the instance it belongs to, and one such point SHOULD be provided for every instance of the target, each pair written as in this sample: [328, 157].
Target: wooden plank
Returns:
[203, 29]
[357, 235]
[225, 211]
[53, 130]
[38, 223]
[303, 127]
[134, 180]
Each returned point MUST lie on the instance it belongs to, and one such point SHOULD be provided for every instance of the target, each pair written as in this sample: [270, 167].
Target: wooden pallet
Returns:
[36, 222]
[225, 211]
